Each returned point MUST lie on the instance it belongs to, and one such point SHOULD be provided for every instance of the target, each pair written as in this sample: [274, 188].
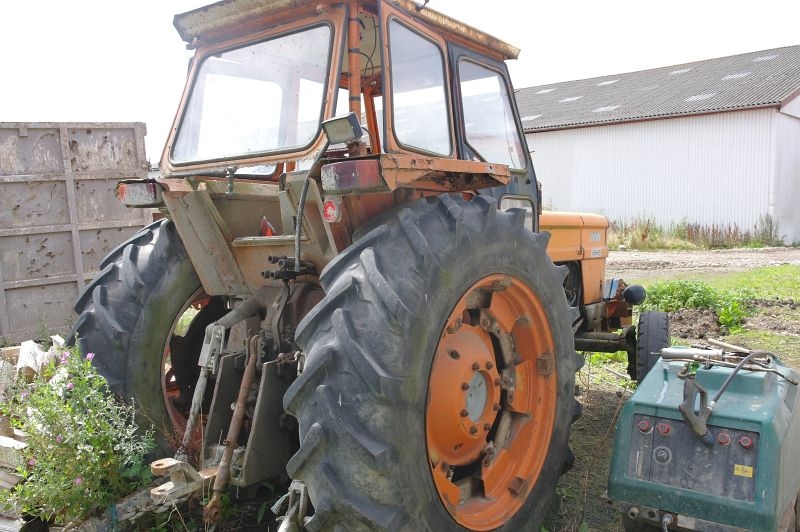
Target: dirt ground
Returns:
[603, 389]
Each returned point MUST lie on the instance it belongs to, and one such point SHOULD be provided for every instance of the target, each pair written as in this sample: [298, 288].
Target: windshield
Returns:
[262, 98]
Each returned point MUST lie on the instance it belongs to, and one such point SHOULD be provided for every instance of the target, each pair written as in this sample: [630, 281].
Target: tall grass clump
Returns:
[645, 233]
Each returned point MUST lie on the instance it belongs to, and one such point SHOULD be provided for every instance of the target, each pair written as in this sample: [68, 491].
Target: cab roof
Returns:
[215, 18]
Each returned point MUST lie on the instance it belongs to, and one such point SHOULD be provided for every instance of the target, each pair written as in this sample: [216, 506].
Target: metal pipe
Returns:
[601, 342]
[354, 58]
[194, 413]
[729, 347]
[212, 510]
[260, 300]
[298, 228]
[700, 355]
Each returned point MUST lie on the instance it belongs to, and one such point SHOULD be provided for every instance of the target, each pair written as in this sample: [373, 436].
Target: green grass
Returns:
[770, 282]
[596, 359]
[786, 347]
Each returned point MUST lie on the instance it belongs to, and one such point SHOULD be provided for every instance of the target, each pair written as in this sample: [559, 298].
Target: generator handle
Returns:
[697, 422]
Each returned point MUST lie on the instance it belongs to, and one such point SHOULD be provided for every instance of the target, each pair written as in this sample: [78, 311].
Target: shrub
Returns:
[84, 449]
[670, 296]
[731, 306]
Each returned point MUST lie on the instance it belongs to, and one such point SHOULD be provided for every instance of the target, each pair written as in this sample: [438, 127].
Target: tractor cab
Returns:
[431, 98]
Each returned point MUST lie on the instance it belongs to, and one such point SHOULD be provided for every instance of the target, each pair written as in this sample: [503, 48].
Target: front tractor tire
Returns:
[128, 317]
[438, 388]
[652, 336]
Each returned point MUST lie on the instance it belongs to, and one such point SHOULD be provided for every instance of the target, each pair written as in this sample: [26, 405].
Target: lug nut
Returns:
[475, 366]
[486, 426]
[473, 429]
[496, 407]
[452, 329]
[464, 386]
[454, 354]
[464, 413]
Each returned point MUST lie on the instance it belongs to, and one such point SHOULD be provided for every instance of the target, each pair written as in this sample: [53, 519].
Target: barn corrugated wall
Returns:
[787, 171]
[710, 169]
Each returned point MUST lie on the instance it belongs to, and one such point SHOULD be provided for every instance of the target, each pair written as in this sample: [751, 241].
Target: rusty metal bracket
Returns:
[508, 349]
[296, 502]
[184, 481]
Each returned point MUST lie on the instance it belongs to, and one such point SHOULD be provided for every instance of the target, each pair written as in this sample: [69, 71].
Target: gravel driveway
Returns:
[632, 265]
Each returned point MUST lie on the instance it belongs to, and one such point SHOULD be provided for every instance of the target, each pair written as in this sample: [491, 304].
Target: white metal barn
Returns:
[711, 142]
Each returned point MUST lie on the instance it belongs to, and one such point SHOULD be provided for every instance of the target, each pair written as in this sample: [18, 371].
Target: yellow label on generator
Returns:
[743, 471]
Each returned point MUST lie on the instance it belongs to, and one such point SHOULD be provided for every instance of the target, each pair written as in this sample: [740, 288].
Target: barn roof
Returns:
[758, 79]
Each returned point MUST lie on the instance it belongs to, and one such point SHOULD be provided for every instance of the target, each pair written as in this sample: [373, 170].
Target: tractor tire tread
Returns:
[344, 398]
[652, 335]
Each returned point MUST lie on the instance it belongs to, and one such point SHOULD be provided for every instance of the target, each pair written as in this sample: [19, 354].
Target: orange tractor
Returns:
[350, 287]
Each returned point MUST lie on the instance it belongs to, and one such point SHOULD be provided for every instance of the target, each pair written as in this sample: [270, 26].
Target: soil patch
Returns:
[771, 315]
[695, 324]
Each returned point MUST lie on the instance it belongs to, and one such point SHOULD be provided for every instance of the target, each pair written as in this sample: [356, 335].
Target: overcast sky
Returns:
[122, 60]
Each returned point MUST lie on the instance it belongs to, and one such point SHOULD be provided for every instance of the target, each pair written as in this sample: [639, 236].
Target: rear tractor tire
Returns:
[128, 316]
[438, 388]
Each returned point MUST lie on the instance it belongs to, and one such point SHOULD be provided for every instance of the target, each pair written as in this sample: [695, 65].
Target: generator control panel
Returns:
[667, 452]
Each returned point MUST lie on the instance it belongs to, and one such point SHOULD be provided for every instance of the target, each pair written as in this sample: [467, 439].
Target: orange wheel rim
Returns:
[491, 402]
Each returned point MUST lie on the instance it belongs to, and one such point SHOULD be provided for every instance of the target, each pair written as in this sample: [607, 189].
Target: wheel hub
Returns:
[477, 394]
[464, 388]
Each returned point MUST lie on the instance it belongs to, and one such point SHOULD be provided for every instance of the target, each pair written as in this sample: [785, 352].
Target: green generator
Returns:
[710, 441]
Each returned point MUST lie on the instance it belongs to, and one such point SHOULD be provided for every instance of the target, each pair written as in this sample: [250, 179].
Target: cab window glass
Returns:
[419, 100]
[516, 202]
[488, 117]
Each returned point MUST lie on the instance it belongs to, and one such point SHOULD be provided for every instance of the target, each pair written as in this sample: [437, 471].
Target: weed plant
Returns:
[84, 449]
[731, 305]
[645, 233]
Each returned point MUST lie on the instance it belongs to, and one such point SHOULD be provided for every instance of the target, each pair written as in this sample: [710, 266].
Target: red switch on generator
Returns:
[746, 442]
[644, 426]
[664, 429]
